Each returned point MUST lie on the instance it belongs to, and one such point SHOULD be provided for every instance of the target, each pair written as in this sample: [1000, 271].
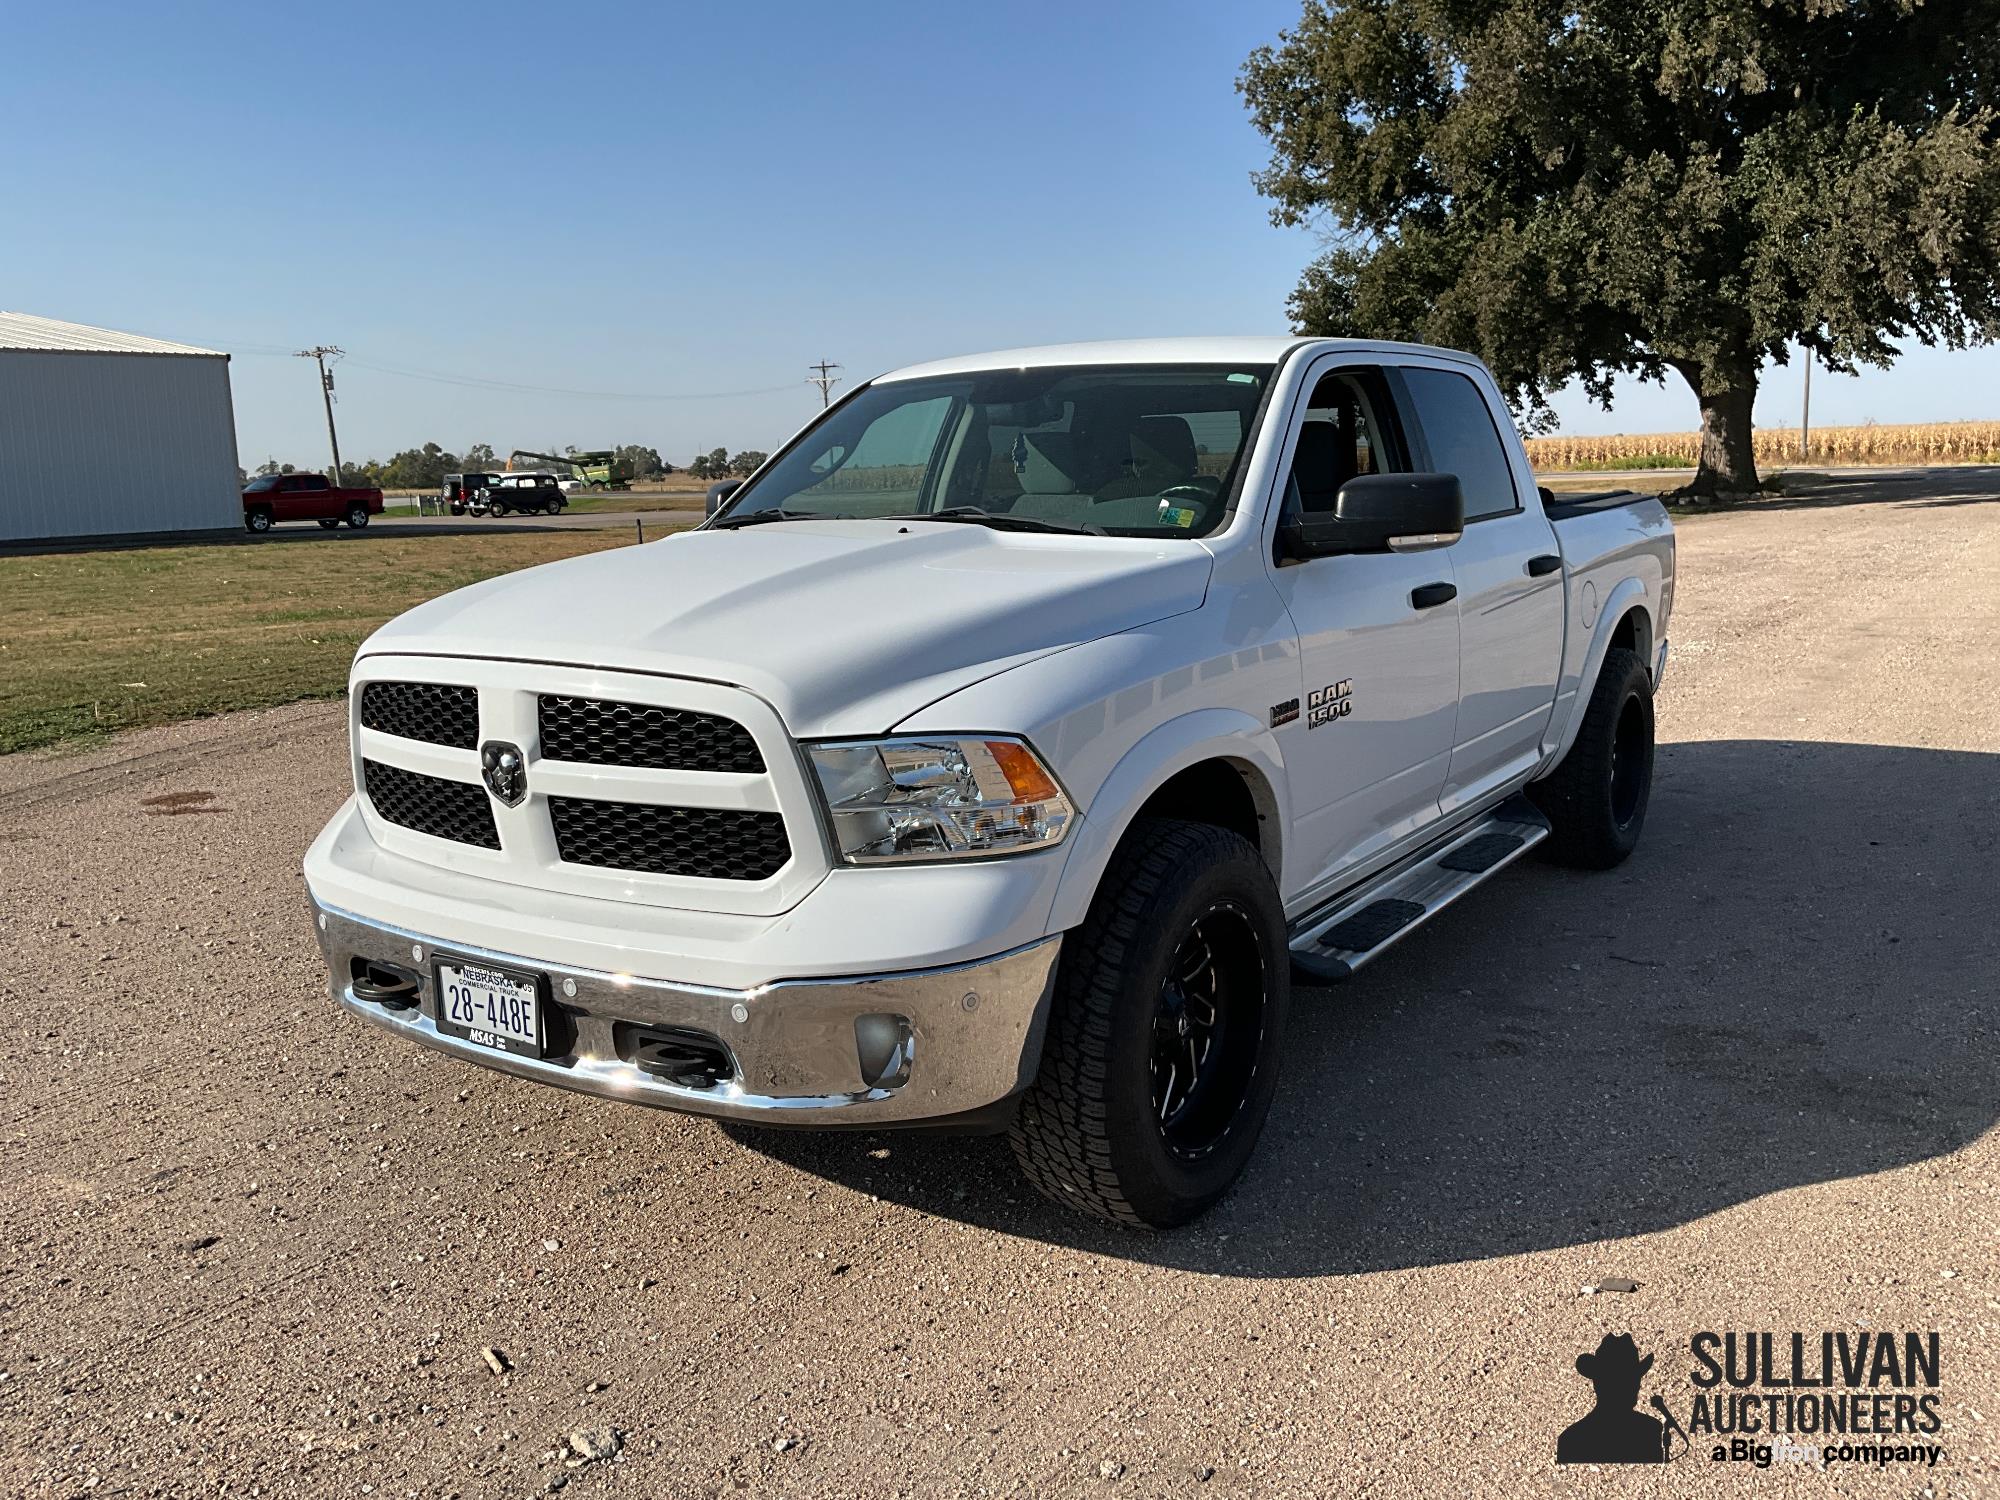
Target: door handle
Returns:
[1433, 594]
[1547, 563]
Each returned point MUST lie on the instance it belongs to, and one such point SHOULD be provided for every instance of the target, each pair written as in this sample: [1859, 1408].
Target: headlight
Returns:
[938, 798]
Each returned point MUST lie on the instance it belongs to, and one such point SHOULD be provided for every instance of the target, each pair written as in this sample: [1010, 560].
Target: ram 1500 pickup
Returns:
[1001, 751]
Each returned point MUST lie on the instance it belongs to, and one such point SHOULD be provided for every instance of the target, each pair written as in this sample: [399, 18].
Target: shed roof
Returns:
[26, 331]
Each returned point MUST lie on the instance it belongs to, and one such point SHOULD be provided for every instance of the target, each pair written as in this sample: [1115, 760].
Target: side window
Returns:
[1458, 429]
[1345, 434]
[316, 482]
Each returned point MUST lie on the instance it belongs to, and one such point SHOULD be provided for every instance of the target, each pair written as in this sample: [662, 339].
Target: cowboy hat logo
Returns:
[1614, 1431]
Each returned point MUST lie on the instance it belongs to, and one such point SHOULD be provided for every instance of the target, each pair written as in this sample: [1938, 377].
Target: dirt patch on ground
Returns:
[249, 1243]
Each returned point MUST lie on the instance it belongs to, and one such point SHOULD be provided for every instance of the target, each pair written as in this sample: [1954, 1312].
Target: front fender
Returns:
[1169, 748]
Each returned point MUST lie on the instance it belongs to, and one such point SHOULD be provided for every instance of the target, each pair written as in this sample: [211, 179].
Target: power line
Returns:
[826, 380]
[489, 383]
[318, 354]
[484, 383]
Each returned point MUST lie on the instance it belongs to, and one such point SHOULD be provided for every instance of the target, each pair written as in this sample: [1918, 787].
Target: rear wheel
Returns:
[357, 516]
[1596, 799]
[258, 519]
[1162, 1046]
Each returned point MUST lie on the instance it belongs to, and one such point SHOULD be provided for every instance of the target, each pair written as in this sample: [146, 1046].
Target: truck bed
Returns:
[1565, 506]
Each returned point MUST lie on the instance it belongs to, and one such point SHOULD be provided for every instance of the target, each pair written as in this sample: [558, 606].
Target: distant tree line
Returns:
[424, 468]
[720, 463]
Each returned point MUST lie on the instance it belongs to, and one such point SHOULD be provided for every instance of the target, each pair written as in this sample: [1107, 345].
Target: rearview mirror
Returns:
[720, 493]
[1380, 513]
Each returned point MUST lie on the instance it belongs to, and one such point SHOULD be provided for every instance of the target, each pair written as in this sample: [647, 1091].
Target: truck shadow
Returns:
[1792, 982]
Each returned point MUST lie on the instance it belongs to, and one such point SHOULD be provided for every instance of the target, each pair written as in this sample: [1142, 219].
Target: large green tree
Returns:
[1576, 190]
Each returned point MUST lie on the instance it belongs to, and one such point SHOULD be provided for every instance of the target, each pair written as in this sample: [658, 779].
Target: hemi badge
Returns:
[1284, 713]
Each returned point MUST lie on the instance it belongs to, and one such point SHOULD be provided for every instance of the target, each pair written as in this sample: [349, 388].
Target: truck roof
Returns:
[1251, 349]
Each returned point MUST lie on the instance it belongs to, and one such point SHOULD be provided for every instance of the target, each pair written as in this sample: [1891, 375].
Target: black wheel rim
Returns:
[1208, 1028]
[1631, 754]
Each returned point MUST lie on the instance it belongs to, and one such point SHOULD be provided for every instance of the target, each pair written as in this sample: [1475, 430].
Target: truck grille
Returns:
[435, 712]
[642, 788]
[600, 732]
[455, 810]
[707, 843]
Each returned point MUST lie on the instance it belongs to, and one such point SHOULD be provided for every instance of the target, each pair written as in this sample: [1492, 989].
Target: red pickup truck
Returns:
[271, 498]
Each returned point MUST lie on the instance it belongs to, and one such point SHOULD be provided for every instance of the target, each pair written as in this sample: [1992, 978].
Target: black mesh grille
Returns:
[709, 843]
[598, 732]
[456, 810]
[432, 711]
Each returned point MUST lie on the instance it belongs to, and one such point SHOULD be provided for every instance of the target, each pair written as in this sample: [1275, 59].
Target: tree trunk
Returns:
[1728, 462]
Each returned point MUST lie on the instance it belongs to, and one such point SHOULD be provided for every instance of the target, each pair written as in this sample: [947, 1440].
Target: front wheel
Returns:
[496, 508]
[1596, 799]
[258, 520]
[357, 516]
[1162, 1046]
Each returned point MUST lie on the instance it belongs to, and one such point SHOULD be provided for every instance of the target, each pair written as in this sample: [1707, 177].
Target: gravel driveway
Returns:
[254, 1248]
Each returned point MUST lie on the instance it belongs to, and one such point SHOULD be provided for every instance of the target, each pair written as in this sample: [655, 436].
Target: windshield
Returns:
[1127, 450]
[261, 483]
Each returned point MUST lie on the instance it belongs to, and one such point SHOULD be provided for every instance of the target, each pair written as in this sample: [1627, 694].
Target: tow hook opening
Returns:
[386, 985]
[675, 1054]
[884, 1045]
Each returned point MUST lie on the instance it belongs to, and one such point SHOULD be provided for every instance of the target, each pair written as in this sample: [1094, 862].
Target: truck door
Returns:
[1368, 752]
[1510, 583]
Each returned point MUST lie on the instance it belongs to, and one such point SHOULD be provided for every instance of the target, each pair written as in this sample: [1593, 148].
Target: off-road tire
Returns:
[1085, 1133]
[1596, 818]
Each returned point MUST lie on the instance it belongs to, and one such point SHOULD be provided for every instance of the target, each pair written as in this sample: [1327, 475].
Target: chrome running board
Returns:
[1331, 943]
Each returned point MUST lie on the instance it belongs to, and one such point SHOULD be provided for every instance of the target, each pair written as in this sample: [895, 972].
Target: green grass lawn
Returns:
[92, 642]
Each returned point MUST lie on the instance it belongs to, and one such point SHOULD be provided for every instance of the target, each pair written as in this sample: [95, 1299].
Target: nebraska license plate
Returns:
[497, 1008]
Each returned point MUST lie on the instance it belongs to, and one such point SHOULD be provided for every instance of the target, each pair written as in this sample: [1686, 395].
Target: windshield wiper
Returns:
[759, 517]
[999, 520]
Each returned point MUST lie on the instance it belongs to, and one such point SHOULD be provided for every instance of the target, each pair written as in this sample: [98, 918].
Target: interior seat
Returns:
[1321, 463]
[1150, 455]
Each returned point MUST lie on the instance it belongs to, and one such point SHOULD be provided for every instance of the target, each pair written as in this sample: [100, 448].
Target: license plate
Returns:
[497, 1008]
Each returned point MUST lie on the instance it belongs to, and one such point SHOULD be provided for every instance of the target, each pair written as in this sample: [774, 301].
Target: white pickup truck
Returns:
[1000, 751]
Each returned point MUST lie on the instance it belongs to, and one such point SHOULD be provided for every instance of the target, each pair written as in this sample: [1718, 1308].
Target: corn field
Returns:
[1876, 443]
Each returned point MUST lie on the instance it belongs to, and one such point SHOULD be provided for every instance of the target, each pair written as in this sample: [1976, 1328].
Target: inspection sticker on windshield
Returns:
[1176, 515]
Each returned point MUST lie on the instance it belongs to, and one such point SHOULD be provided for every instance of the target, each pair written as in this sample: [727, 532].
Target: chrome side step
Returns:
[1331, 943]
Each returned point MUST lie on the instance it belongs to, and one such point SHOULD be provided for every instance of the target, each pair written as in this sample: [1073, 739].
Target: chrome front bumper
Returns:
[878, 1048]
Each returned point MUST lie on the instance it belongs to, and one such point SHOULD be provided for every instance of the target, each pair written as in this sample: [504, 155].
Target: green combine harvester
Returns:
[592, 467]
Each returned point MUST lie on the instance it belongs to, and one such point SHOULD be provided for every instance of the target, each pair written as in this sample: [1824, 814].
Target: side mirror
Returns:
[719, 493]
[1381, 513]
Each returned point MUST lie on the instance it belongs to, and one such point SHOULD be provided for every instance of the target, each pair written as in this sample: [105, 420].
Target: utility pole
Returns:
[1805, 411]
[319, 354]
[825, 379]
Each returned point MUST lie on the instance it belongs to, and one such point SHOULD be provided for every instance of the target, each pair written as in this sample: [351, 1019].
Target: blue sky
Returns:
[667, 201]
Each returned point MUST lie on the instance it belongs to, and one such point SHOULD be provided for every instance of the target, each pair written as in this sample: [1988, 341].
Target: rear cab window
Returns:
[1457, 428]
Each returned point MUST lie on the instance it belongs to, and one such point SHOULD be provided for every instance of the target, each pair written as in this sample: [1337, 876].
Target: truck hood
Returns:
[845, 627]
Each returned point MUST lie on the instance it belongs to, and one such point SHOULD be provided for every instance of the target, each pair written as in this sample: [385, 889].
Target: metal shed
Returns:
[107, 434]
